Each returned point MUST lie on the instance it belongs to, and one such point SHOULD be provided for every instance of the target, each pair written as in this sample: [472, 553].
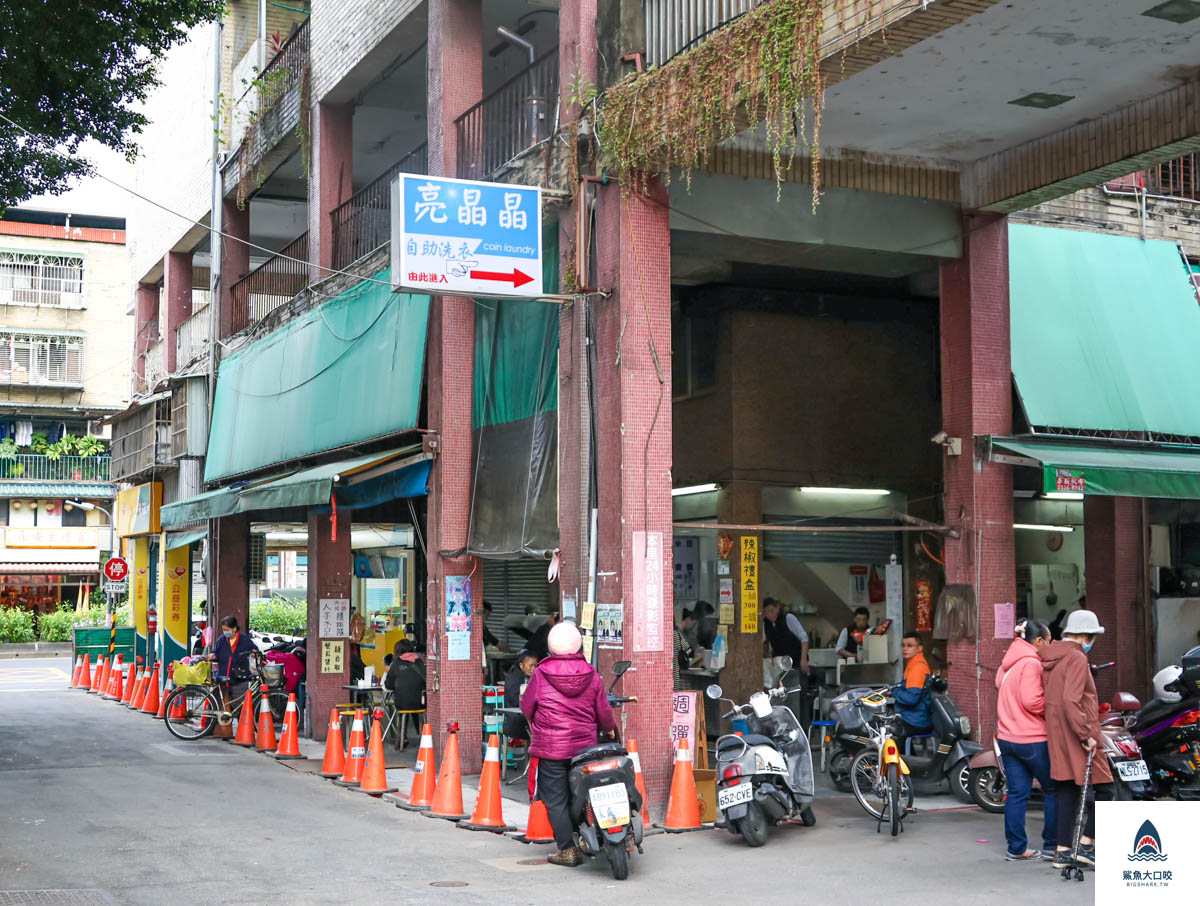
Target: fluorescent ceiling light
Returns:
[695, 489]
[860, 492]
[1063, 495]
[1029, 526]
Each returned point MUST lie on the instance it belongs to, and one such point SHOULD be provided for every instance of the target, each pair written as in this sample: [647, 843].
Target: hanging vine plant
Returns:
[762, 68]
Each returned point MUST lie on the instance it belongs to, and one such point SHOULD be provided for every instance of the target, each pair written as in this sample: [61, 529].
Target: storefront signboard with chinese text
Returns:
[646, 591]
[750, 579]
[334, 621]
[333, 656]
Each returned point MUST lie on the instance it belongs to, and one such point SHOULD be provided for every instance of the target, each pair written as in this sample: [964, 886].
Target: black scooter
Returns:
[605, 804]
[1169, 734]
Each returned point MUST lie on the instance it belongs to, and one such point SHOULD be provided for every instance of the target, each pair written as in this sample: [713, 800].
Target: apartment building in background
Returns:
[65, 354]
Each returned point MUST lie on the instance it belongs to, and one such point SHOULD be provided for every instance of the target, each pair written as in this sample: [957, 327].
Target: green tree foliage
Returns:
[279, 615]
[16, 624]
[71, 71]
[57, 626]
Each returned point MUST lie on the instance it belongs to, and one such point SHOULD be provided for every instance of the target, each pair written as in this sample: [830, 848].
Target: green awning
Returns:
[305, 488]
[1109, 470]
[80, 490]
[1105, 332]
[184, 539]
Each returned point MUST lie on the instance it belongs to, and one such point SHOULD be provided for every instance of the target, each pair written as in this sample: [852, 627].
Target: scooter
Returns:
[605, 805]
[943, 754]
[764, 776]
[1169, 733]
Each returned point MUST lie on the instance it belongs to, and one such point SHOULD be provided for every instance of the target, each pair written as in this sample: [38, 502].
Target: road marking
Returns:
[191, 750]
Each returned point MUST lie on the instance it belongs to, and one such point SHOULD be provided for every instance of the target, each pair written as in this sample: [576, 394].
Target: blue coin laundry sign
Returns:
[455, 237]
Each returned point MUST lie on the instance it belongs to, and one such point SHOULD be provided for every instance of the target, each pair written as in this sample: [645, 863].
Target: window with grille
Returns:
[35, 278]
[41, 359]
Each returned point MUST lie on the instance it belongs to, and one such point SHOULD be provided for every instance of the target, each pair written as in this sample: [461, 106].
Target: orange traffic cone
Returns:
[374, 778]
[639, 780]
[489, 811]
[162, 704]
[179, 709]
[75, 673]
[117, 687]
[130, 682]
[289, 739]
[98, 677]
[335, 755]
[139, 690]
[150, 699]
[112, 689]
[683, 807]
[265, 740]
[245, 729]
[447, 799]
[101, 683]
[539, 829]
[424, 784]
[224, 728]
[352, 775]
[85, 674]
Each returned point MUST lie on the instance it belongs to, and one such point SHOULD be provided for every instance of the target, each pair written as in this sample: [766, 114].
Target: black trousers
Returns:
[552, 790]
[1068, 809]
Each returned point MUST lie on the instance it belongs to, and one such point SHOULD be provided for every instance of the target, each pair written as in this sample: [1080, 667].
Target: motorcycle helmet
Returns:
[1164, 678]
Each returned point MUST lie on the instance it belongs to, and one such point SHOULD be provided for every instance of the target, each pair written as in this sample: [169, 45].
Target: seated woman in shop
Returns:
[405, 678]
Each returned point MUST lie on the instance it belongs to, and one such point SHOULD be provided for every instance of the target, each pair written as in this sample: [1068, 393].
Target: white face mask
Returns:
[228, 633]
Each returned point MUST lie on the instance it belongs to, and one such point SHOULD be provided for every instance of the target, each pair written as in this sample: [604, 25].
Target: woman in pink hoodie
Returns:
[1021, 729]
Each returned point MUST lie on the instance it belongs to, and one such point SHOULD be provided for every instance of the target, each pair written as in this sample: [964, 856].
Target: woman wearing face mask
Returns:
[232, 653]
[1021, 730]
[1073, 730]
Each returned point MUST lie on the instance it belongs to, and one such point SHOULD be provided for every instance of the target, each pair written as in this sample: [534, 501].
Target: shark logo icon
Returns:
[1147, 845]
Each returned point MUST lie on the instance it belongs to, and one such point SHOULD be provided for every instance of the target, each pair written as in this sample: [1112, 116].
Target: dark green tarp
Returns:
[1110, 470]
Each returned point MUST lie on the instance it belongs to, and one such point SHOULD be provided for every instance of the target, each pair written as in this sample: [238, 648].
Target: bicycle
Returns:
[194, 710]
[885, 793]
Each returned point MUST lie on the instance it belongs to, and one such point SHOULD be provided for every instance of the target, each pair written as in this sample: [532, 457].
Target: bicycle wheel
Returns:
[277, 702]
[866, 783]
[894, 813]
[192, 712]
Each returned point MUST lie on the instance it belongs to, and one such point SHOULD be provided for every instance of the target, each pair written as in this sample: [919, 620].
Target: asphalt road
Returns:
[101, 805]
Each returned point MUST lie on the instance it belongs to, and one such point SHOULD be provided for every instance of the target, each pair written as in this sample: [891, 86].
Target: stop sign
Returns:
[116, 569]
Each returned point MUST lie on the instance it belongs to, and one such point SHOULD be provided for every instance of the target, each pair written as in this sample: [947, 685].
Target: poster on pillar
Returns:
[458, 237]
[139, 592]
[458, 618]
[750, 580]
[610, 620]
[174, 601]
[646, 591]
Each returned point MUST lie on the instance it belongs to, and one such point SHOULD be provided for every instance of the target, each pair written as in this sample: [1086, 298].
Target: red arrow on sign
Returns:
[516, 277]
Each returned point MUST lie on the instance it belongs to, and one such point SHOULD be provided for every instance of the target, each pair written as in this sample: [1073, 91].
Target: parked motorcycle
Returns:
[764, 776]
[944, 754]
[605, 805]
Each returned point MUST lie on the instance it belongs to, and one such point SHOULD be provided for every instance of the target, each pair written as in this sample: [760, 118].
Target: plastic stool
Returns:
[822, 724]
[403, 740]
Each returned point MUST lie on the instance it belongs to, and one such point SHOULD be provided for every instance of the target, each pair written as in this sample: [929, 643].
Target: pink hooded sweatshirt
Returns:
[1020, 707]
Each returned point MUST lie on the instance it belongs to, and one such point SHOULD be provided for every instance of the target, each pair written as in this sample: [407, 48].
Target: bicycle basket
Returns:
[849, 715]
[272, 673]
[192, 674]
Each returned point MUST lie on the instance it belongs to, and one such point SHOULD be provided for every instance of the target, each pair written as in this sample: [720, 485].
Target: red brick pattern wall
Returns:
[977, 400]
[330, 180]
[146, 329]
[1113, 566]
[231, 590]
[177, 287]
[330, 572]
[236, 263]
[453, 687]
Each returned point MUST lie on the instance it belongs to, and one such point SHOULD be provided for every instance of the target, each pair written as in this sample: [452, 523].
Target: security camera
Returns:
[939, 438]
[952, 445]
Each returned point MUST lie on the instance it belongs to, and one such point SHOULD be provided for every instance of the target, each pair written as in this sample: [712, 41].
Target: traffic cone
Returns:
[112, 687]
[683, 806]
[420, 798]
[289, 741]
[150, 699]
[100, 684]
[139, 690]
[85, 674]
[245, 730]
[224, 729]
[116, 688]
[639, 780]
[447, 799]
[374, 776]
[539, 829]
[489, 812]
[179, 709]
[356, 757]
[265, 741]
[130, 682]
[97, 677]
[162, 704]
[335, 755]
[78, 669]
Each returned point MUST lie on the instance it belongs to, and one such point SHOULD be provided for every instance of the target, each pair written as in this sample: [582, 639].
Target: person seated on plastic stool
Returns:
[405, 679]
[912, 702]
[516, 728]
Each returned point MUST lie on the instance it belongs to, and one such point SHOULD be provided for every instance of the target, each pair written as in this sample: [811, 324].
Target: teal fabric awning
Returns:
[1106, 469]
[184, 539]
[1105, 332]
[345, 372]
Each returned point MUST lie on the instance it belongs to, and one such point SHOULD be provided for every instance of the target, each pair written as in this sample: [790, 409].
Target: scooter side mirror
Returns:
[714, 692]
[620, 667]
[785, 663]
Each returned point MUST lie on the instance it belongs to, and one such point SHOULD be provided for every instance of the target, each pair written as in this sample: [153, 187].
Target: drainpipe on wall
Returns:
[262, 36]
[215, 254]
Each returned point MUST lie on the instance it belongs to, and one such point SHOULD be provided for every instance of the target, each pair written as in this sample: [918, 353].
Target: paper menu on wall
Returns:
[1005, 618]
[587, 648]
[587, 617]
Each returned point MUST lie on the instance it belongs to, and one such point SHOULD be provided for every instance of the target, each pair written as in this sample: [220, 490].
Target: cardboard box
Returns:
[706, 792]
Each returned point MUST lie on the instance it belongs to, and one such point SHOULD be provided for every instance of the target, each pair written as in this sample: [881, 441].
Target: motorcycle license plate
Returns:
[610, 805]
[734, 795]
[1133, 770]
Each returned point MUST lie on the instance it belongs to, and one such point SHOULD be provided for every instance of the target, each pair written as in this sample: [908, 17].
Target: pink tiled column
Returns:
[177, 287]
[235, 264]
[330, 181]
[146, 330]
[1113, 554]
[231, 590]
[453, 687]
[977, 400]
[330, 573]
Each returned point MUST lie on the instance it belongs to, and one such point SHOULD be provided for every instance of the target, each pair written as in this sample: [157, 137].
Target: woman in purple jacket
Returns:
[567, 709]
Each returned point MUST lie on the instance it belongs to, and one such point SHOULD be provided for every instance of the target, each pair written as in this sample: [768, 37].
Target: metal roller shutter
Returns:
[512, 585]
[833, 547]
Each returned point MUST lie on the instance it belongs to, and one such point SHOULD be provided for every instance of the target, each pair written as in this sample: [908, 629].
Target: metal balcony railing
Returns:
[363, 223]
[1178, 178]
[191, 336]
[673, 26]
[518, 114]
[273, 283]
[39, 467]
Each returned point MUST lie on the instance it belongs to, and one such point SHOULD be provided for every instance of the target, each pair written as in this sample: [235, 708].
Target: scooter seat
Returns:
[750, 739]
[603, 750]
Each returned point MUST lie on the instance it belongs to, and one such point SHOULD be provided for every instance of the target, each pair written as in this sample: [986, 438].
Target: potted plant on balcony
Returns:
[8, 458]
[89, 448]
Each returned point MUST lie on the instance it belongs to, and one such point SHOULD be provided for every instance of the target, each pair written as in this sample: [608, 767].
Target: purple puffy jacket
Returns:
[566, 706]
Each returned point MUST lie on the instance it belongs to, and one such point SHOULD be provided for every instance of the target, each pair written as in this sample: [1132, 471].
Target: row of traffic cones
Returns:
[113, 680]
